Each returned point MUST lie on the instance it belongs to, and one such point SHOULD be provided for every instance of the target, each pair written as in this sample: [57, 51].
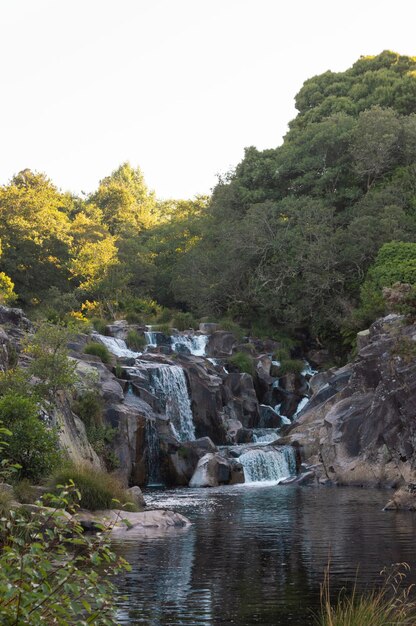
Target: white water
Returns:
[196, 344]
[117, 347]
[151, 339]
[265, 435]
[168, 383]
[268, 465]
[301, 405]
[153, 453]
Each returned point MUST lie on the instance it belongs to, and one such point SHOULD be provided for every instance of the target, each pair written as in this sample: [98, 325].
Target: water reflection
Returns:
[257, 555]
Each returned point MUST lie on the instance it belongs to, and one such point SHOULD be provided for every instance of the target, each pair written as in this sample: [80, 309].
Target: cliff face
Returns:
[359, 428]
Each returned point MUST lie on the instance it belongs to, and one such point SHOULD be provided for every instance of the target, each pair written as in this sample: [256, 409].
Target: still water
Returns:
[256, 554]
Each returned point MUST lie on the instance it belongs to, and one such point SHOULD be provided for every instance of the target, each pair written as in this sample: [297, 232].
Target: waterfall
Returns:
[153, 453]
[168, 383]
[150, 337]
[268, 465]
[196, 344]
[117, 347]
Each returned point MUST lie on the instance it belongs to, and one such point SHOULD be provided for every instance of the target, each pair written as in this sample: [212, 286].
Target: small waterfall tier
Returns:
[116, 346]
[273, 465]
[196, 344]
[168, 383]
[153, 453]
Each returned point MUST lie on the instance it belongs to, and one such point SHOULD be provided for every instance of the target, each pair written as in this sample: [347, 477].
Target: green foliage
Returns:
[51, 572]
[89, 407]
[98, 349]
[184, 321]
[6, 499]
[135, 341]
[99, 325]
[34, 447]
[14, 407]
[98, 489]
[232, 327]
[243, 362]
[50, 366]
[24, 491]
[291, 366]
[405, 348]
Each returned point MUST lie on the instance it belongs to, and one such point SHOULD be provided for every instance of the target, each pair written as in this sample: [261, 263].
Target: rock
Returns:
[363, 338]
[135, 496]
[240, 400]
[15, 317]
[107, 384]
[180, 459]
[208, 327]
[72, 434]
[220, 344]
[360, 425]
[212, 470]
[125, 524]
[318, 358]
[404, 499]
[269, 418]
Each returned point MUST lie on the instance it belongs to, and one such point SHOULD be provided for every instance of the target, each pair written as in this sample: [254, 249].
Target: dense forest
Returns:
[298, 240]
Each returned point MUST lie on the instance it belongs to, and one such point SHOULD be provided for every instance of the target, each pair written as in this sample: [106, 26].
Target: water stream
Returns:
[256, 554]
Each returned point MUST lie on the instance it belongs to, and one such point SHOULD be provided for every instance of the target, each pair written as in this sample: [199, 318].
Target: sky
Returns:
[176, 87]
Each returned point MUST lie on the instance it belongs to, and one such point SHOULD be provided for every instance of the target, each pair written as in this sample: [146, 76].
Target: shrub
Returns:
[98, 349]
[98, 489]
[243, 362]
[99, 325]
[291, 366]
[48, 569]
[6, 499]
[34, 447]
[164, 317]
[24, 491]
[89, 408]
[184, 321]
[135, 341]
[51, 367]
[14, 407]
[232, 327]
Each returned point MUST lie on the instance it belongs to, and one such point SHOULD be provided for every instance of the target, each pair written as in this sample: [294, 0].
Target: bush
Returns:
[184, 321]
[98, 349]
[99, 325]
[233, 328]
[24, 491]
[34, 447]
[14, 407]
[6, 499]
[89, 408]
[243, 362]
[291, 366]
[135, 341]
[51, 572]
[98, 489]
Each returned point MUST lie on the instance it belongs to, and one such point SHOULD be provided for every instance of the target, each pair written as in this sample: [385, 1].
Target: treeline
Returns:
[284, 244]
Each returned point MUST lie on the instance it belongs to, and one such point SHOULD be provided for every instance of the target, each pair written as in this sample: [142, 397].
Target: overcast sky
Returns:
[177, 87]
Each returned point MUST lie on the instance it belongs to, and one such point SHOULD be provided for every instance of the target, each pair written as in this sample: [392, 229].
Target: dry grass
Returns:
[391, 605]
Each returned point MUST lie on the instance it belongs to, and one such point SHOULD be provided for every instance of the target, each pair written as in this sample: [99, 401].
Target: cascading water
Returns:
[116, 346]
[268, 465]
[150, 337]
[196, 344]
[168, 383]
[153, 453]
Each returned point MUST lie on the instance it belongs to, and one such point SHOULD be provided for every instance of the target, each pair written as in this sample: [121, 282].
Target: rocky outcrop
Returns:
[360, 424]
[220, 344]
[124, 524]
[214, 470]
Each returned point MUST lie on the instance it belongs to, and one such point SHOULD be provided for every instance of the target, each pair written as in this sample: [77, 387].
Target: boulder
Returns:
[128, 525]
[240, 400]
[179, 460]
[404, 499]
[360, 423]
[220, 344]
[208, 327]
[136, 496]
[211, 471]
